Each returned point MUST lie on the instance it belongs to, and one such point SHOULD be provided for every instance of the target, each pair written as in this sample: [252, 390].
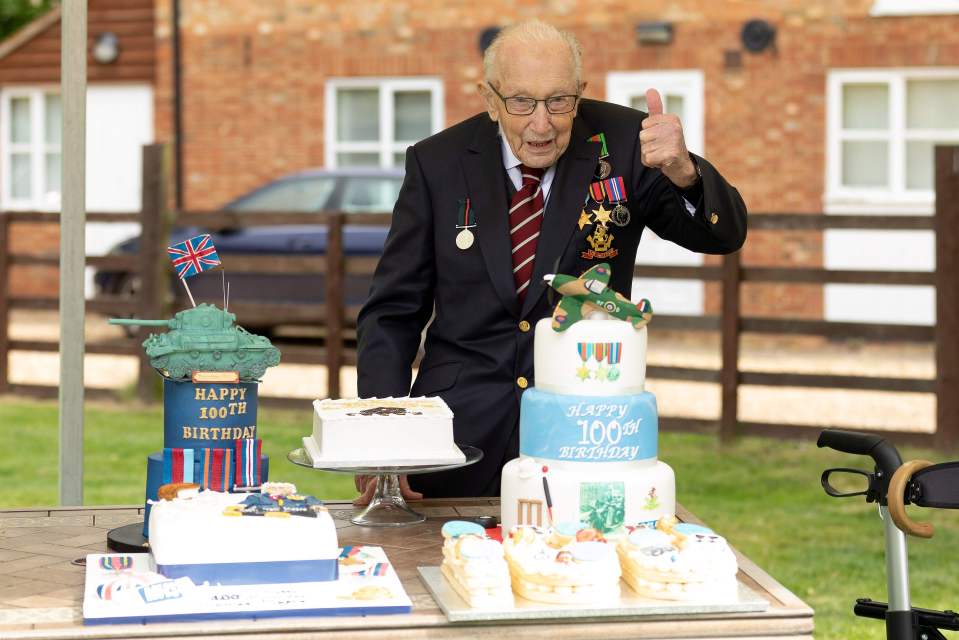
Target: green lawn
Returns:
[763, 495]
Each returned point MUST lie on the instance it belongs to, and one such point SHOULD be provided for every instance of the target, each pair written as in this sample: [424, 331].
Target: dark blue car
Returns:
[353, 190]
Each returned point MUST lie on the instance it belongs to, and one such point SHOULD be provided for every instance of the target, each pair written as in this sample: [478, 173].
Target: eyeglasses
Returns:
[523, 106]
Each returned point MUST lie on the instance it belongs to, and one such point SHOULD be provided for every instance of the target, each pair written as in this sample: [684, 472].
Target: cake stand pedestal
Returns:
[387, 508]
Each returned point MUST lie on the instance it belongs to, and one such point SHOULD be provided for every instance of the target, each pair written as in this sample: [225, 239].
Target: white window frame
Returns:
[620, 85]
[674, 296]
[39, 200]
[386, 146]
[913, 7]
[894, 198]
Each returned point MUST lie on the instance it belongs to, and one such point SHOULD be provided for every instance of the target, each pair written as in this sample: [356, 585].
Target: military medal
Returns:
[616, 190]
[464, 239]
[604, 168]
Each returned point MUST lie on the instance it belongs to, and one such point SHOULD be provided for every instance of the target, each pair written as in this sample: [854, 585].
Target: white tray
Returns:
[630, 604]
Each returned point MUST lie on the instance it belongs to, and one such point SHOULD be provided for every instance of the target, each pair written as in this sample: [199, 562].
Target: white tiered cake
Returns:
[588, 433]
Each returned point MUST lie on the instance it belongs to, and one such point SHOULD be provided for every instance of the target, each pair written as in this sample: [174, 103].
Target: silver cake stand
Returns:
[387, 508]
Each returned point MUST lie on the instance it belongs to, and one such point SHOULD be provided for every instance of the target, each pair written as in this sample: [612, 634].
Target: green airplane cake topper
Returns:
[589, 293]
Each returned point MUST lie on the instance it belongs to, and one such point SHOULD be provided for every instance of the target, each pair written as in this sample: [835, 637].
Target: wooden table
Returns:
[41, 590]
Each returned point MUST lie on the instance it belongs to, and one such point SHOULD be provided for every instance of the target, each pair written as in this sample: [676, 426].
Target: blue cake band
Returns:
[588, 428]
[255, 572]
[208, 415]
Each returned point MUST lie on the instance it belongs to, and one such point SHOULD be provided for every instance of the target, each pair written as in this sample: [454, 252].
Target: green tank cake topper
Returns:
[589, 293]
[205, 338]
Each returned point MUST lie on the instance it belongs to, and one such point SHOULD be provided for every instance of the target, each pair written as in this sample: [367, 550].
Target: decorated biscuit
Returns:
[178, 490]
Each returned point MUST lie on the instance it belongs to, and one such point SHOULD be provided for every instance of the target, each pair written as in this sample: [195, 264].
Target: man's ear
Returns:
[488, 96]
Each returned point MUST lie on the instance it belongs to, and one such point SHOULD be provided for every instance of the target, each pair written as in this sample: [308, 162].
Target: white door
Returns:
[119, 123]
[682, 93]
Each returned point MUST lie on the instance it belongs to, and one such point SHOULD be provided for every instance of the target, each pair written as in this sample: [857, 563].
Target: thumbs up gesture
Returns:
[662, 145]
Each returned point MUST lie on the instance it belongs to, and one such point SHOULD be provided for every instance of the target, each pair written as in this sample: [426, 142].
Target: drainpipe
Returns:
[177, 109]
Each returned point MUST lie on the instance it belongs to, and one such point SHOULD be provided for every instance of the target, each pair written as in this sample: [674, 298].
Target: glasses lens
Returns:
[560, 104]
[520, 106]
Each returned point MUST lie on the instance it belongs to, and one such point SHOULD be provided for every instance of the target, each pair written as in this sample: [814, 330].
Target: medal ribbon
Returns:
[615, 188]
[597, 192]
[600, 137]
[466, 214]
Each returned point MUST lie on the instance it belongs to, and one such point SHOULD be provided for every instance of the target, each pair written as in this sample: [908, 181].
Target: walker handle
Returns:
[896, 499]
[866, 444]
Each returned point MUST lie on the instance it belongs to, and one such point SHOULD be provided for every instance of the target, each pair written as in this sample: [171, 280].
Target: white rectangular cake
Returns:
[235, 538]
[382, 432]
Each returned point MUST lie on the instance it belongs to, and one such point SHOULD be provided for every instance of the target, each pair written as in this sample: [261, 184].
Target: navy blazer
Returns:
[475, 349]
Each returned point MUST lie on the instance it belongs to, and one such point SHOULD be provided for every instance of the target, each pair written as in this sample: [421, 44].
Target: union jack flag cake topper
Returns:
[192, 256]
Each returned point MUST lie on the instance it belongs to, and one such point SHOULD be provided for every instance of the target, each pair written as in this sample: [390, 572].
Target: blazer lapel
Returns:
[574, 171]
[485, 176]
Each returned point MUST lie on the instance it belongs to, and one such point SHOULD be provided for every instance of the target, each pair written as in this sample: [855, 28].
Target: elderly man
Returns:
[492, 204]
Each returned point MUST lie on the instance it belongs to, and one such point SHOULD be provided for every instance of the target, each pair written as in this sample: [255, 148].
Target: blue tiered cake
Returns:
[211, 369]
[589, 429]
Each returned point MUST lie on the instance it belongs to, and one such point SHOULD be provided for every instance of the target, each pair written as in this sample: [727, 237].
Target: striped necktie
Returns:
[525, 218]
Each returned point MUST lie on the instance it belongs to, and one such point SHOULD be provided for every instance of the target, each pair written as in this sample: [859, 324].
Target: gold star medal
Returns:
[602, 215]
[584, 219]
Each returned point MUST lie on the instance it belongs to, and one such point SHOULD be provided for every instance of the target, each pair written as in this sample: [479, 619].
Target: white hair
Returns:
[530, 32]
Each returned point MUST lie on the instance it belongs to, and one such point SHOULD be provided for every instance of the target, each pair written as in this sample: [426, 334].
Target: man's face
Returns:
[541, 70]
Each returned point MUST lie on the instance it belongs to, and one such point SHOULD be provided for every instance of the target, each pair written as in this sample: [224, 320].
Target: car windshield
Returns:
[305, 194]
[369, 194]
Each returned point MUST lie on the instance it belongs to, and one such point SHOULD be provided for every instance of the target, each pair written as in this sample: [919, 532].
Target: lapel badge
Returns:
[601, 243]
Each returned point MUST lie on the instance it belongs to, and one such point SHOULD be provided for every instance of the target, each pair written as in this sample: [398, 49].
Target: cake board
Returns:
[629, 604]
[124, 589]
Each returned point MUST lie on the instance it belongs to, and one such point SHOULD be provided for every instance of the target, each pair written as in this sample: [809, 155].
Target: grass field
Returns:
[763, 495]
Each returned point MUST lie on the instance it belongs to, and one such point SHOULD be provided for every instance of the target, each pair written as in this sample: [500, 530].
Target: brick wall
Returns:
[255, 72]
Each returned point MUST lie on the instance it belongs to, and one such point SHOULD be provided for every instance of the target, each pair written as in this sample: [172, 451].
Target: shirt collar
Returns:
[509, 158]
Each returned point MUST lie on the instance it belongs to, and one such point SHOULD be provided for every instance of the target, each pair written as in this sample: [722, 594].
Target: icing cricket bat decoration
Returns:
[588, 293]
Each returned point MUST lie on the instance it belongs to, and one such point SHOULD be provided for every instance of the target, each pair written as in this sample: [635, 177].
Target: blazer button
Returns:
[714, 218]
[523, 326]
[522, 382]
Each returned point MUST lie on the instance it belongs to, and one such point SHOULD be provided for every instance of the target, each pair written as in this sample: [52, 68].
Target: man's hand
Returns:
[366, 485]
[663, 146]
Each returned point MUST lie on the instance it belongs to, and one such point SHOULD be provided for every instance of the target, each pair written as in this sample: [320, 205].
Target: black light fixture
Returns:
[654, 32]
[758, 35]
[106, 48]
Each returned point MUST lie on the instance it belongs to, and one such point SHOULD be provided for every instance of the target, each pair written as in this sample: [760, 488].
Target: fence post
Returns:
[947, 296]
[4, 302]
[334, 303]
[729, 375]
[153, 234]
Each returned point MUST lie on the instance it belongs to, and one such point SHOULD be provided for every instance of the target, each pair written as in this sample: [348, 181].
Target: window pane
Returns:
[354, 159]
[932, 104]
[865, 164]
[865, 106]
[357, 115]
[411, 115]
[20, 175]
[371, 194]
[51, 119]
[673, 103]
[52, 161]
[20, 120]
[300, 194]
[399, 159]
[919, 164]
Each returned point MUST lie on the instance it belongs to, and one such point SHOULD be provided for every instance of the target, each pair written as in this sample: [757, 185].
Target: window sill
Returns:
[913, 7]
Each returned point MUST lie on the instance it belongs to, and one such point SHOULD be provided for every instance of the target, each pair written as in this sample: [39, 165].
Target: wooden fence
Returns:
[335, 318]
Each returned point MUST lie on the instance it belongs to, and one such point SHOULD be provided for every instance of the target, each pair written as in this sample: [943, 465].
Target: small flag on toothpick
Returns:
[192, 256]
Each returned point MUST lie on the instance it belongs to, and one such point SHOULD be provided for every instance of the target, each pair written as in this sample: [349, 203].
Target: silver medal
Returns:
[603, 170]
[464, 239]
[620, 215]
